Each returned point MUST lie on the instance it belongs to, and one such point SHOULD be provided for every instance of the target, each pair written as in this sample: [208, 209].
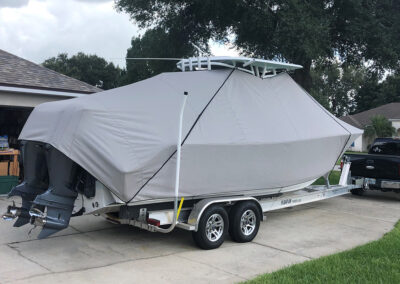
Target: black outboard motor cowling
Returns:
[36, 179]
[49, 188]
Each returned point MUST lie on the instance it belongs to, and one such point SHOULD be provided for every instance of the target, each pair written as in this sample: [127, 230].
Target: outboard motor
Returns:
[50, 187]
[59, 198]
[36, 181]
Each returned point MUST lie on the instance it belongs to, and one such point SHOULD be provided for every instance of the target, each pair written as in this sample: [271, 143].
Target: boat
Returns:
[221, 126]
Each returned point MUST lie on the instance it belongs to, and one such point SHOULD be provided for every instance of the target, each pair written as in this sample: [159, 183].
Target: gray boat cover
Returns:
[240, 133]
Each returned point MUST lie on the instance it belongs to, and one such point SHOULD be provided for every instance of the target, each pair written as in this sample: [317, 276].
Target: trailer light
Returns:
[153, 222]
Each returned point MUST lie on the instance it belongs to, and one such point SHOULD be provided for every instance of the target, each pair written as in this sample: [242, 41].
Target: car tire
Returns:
[212, 228]
[245, 220]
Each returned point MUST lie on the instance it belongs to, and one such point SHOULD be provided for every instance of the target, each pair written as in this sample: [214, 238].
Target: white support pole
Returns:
[178, 168]
[178, 150]
[343, 181]
[190, 64]
[208, 63]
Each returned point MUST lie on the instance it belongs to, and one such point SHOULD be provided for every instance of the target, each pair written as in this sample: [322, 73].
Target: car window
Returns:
[385, 148]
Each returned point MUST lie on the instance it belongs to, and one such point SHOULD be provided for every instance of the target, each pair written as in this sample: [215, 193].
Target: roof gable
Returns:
[362, 119]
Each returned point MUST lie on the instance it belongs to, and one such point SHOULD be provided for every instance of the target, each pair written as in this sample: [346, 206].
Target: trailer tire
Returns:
[245, 220]
[358, 191]
[212, 228]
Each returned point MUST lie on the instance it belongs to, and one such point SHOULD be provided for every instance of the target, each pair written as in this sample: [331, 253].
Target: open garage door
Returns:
[12, 120]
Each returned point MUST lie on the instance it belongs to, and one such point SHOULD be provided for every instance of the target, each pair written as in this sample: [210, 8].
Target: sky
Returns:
[39, 29]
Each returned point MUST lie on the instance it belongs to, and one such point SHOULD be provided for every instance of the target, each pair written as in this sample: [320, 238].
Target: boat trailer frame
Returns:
[189, 218]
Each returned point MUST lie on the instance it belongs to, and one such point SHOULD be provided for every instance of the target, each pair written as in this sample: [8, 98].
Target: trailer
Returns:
[211, 219]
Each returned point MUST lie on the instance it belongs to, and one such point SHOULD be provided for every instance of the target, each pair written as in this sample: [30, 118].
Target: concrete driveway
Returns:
[93, 251]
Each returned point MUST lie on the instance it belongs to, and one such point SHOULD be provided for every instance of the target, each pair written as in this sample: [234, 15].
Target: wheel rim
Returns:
[214, 227]
[248, 222]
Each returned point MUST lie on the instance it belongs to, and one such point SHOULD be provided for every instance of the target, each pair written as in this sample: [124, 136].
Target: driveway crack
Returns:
[282, 250]
[86, 268]
[29, 259]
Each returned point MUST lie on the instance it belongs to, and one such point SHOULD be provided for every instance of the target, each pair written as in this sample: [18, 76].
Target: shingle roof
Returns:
[362, 119]
[18, 72]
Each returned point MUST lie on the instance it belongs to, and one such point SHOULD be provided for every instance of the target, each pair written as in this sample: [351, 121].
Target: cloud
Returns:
[20, 3]
[45, 28]
[13, 3]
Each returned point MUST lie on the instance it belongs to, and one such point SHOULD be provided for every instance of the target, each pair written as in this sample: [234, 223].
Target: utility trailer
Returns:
[210, 219]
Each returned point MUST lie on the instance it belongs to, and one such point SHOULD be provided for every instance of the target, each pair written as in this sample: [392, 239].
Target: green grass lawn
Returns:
[375, 262]
[333, 179]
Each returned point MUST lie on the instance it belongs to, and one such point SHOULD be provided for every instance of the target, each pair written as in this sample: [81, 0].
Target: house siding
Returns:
[25, 100]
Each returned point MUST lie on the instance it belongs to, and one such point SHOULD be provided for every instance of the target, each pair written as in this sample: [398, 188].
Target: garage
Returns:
[24, 85]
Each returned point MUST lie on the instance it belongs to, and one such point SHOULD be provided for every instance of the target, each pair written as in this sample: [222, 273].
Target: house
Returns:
[361, 120]
[24, 85]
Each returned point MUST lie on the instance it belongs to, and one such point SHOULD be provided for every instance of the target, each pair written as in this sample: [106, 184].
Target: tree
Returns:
[380, 127]
[155, 43]
[390, 90]
[91, 69]
[368, 95]
[356, 31]
[374, 92]
[335, 86]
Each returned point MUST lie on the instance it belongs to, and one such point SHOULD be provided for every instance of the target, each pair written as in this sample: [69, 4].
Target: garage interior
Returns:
[12, 120]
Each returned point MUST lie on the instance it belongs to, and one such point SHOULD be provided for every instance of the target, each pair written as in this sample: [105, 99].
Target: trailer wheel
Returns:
[358, 191]
[244, 221]
[212, 228]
